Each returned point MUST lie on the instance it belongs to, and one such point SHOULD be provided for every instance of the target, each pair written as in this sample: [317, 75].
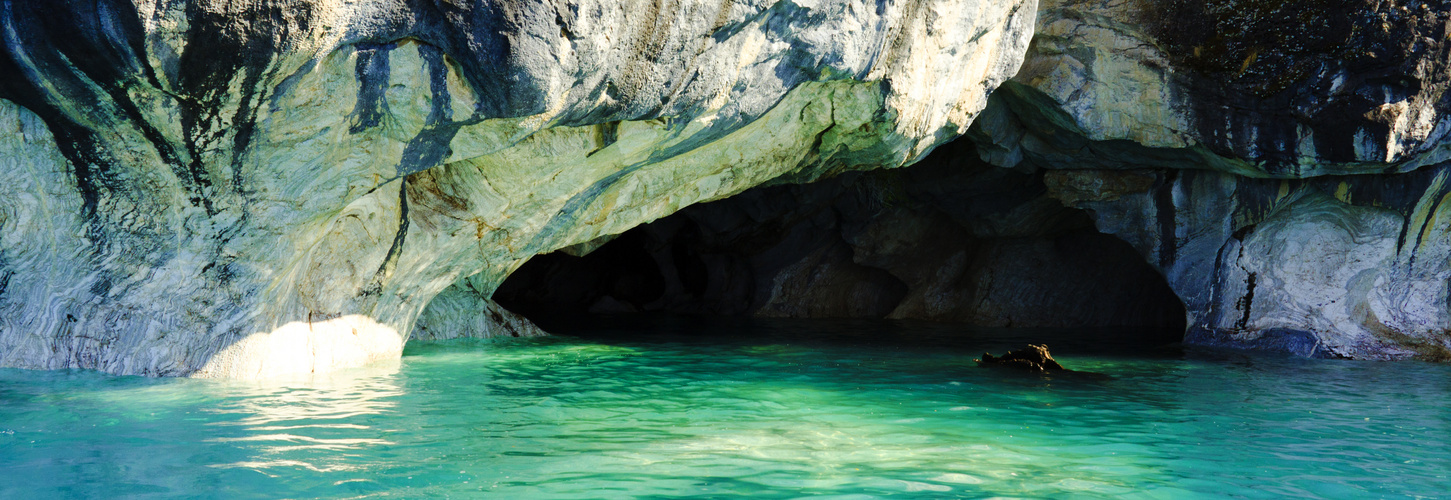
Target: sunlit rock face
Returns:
[1282, 163]
[1286, 88]
[225, 189]
[1336, 266]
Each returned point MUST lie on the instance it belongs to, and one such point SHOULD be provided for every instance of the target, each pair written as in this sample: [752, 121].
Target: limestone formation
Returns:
[249, 189]
[462, 311]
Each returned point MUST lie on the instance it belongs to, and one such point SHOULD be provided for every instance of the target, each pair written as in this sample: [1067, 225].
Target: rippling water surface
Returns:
[765, 409]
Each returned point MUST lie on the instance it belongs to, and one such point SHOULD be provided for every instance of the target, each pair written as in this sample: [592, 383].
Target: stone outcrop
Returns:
[1034, 358]
[225, 189]
[463, 311]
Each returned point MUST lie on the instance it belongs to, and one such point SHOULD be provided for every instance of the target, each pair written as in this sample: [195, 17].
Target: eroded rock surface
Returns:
[248, 189]
[227, 189]
[1287, 89]
[1342, 266]
[1282, 163]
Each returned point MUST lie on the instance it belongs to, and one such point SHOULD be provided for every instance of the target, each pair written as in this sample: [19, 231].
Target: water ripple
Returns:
[771, 416]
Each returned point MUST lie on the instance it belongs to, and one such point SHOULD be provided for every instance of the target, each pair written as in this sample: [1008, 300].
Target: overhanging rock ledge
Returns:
[221, 189]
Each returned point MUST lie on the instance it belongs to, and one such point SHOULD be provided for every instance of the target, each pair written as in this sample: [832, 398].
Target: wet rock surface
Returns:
[1035, 358]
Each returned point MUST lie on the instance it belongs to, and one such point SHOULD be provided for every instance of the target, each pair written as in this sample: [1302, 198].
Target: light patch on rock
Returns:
[299, 348]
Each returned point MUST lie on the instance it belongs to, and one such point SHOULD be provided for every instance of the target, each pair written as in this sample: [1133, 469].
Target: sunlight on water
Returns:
[776, 412]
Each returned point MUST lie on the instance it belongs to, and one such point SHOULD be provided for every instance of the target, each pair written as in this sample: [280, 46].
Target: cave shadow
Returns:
[969, 256]
[888, 334]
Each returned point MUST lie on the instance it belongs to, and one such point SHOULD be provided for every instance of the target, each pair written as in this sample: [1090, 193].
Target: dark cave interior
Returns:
[950, 239]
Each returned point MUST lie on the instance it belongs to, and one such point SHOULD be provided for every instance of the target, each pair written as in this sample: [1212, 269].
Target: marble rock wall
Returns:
[250, 189]
[1338, 266]
[1286, 88]
[1282, 163]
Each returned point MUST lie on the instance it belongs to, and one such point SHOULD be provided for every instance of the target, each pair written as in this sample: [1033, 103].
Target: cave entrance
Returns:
[949, 240]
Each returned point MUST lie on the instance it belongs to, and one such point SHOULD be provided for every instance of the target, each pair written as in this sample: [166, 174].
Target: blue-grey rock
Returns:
[249, 189]
[1282, 163]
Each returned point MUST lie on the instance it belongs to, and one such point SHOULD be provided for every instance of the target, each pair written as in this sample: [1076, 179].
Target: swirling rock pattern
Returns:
[1282, 163]
[1339, 266]
[249, 189]
[1285, 88]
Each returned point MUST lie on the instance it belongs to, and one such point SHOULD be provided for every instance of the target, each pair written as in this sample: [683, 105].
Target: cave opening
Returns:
[950, 240]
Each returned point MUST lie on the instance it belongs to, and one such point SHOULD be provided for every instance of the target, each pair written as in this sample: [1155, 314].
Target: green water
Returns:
[778, 410]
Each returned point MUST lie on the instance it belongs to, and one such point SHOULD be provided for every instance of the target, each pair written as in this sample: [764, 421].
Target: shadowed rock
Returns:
[1034, 358]
[948, 239]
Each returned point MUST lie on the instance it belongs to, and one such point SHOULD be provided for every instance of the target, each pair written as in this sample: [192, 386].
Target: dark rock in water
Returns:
[1034, 358]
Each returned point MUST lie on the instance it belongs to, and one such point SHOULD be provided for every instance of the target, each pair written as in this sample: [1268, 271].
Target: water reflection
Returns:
[768, 416]
[319, 424]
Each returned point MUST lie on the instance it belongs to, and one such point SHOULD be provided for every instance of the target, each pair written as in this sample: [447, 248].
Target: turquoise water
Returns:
[777, 410]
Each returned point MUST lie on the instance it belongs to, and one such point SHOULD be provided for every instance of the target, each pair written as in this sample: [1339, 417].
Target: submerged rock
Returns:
[1034, 358]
